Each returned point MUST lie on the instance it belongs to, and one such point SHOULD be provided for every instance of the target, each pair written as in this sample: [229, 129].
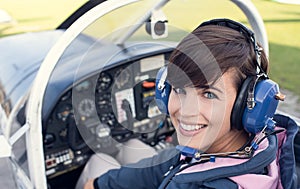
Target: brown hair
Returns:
[208, 52]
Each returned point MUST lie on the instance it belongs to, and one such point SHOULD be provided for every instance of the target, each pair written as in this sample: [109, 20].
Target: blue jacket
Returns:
[161, 171]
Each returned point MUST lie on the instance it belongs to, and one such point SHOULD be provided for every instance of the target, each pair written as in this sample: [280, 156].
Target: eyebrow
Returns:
[209, 87]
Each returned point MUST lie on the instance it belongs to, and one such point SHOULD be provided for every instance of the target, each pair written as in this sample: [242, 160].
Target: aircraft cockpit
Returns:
[89, 87]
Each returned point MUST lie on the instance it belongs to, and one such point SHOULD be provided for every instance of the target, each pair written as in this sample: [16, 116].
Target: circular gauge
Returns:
[86, 107]
[104, 82]
[122, 77]
[63, 111]
[83, 86]
[49, 138]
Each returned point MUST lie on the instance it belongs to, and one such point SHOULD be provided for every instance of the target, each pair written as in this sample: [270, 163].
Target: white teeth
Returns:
[191, 127]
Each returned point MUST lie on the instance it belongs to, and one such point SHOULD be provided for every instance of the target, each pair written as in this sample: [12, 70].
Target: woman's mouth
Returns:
[190, 130]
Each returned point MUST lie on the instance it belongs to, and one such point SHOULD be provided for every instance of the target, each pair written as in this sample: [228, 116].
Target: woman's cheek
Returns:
[173, 107]
[174, 103]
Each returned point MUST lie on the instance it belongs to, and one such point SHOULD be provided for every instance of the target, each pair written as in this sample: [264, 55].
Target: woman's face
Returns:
[201, 116]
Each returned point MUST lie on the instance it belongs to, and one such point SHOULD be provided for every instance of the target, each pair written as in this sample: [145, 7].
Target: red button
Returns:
[147, 84]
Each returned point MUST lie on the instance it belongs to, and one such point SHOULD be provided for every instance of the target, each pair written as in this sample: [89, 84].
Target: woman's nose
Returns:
[190, 105]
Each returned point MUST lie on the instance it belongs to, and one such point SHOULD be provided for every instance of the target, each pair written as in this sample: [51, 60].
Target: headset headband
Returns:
[245, 32]
[250, 36]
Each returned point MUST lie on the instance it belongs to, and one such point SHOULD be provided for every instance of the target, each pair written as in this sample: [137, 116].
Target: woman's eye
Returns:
[210, 95]
[179, 90]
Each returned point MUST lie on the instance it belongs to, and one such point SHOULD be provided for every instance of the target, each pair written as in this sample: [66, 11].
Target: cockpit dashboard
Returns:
[97, 110]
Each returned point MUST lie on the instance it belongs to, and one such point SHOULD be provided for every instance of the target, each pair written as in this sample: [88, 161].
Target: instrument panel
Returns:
[103, 110]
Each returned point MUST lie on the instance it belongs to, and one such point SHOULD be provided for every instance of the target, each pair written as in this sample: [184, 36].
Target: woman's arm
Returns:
[147, 173]
[89, 184]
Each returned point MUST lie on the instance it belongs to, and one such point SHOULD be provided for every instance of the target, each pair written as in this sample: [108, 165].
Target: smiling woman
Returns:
[211, 86]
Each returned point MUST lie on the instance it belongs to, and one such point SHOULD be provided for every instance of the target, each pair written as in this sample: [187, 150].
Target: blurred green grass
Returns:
[282, 22]
[36, 15]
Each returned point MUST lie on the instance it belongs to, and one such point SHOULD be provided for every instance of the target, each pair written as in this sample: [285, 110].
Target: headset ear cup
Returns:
[240, 104]
[162, 99]
[162, 90]
[255, 119]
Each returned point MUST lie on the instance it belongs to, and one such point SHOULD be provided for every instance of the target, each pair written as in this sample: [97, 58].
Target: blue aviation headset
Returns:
[258, 96]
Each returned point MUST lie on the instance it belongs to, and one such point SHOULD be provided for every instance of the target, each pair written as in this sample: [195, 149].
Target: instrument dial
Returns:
[86, 107]
[83, 86]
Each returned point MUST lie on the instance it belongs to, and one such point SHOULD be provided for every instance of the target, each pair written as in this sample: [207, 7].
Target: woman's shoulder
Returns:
[289, 156]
